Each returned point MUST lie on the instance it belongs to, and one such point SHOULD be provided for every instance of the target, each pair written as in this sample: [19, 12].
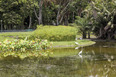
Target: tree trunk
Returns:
[109, 36]
[100, 32]
[57, 21]
[73, 17]
[61, 13]
[30, 22]
[40, 12]
[57, 17]
[84, 35]
[88, 35]
[39, 16]
[66, 20]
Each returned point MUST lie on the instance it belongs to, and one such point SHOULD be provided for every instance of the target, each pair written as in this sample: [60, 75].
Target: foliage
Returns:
[82, 23]
[55, 33]
[22, 14]
[103, 14]
[24, 48]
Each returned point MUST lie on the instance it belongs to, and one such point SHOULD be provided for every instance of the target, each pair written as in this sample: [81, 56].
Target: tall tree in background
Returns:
[10, 14]
[39, 13]
[104, 15]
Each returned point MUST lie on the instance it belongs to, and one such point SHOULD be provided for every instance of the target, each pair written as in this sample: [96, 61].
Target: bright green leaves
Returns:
[55, 33]
[24, 48]
[82, 23]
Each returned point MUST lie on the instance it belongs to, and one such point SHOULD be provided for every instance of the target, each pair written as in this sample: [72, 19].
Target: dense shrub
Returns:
[55, 33]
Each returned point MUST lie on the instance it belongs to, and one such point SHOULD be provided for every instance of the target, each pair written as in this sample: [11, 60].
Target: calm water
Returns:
[98, 60]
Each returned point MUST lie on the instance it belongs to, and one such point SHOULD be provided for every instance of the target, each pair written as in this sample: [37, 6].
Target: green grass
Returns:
[14, 35]
[85, 42]
[72, 43]
[20, 35]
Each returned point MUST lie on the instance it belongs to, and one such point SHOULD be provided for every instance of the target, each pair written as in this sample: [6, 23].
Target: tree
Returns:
[61, 9]
[104, 15]
[82, 25]
[10, 14]
[27, 9]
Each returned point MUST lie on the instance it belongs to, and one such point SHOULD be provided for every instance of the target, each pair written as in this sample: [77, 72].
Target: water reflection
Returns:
[99, 52]
[96, 61]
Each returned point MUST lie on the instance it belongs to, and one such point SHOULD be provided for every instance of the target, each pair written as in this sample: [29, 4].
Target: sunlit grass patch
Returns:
[72, 43]
[14, 35]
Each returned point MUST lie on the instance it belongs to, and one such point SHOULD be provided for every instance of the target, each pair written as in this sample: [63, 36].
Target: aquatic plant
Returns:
[24, 48]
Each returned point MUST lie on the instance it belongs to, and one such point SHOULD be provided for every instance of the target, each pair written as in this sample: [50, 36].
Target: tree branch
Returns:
[35, 13]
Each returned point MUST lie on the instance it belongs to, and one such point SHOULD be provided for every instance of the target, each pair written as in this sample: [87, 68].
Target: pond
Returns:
[98, 60]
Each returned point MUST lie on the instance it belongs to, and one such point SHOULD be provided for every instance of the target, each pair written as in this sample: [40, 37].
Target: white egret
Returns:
[77, 43]
[80, 53]
[80, 56]
[77, 48]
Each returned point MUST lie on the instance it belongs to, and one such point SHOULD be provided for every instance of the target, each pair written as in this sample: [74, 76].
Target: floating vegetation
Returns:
[24, 48]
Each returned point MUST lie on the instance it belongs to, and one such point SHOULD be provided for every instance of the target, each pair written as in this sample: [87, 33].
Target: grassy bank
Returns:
[72, 43]
[14, 35]
[20, 35]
